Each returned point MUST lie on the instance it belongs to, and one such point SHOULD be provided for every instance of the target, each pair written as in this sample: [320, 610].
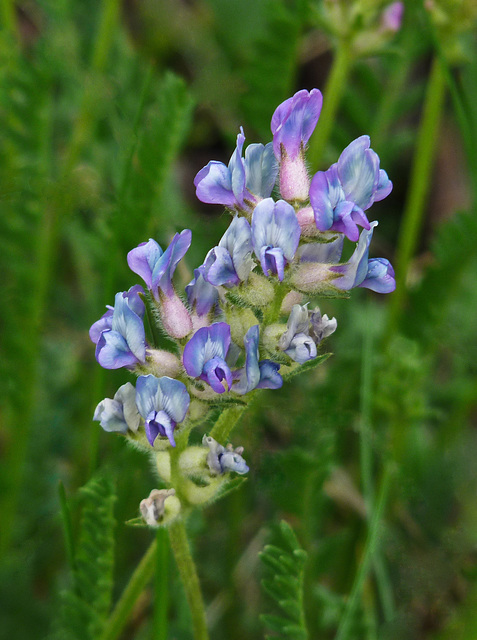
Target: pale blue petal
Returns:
[355, 270]
[113, 352]
[261, 169]
[175, 400]
[358, 171]
[146, 394]
[109, 413]
[269, 376]
[201, 294]
[385, 186]
[322, 252]
[166, 265]
[130, 326]
[219, 268]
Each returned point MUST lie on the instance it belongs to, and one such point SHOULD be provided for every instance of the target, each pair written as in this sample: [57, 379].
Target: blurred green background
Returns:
[107, 111]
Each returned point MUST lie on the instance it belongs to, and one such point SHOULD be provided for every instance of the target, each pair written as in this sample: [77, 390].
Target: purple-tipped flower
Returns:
[341, 195]
[202, 295]
[256, 374]
[120, 413]
[292, 125]
[163, 403]
[275, 235]
[155, 266]
[231, 261]
[124, 345]
[205, 353]
[294, 121]
[243, 182]
[105, 322]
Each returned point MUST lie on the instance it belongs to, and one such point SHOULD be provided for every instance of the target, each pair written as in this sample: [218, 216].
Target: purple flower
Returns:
[204, 356]
[391, 18]
[155, 266]
[230, 262]
[120, 413]
[243, 181]
[163, 403]
[124, 344]
[341, 195]
[275, 235]
[105, 322]
[294, 121]
[201, 294]
[256, 374]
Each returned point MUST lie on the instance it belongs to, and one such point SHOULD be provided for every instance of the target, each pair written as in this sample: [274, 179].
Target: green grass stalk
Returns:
[420, 182]
[122, 611]
[370, 549]
[161, 586]
[332, 95]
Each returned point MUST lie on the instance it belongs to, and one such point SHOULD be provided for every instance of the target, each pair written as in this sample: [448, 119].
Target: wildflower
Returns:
[222, 459]
[124, 344]
[156, 267]
[120, 413]
[163, 403]
[231, 261]
[243, 182]
[202, 295]
[275, 235]
[105, 322]
[292, 125]
[341, 195]
[204, 356]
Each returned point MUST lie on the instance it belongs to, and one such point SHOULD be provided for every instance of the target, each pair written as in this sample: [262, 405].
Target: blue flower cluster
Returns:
[243, 319]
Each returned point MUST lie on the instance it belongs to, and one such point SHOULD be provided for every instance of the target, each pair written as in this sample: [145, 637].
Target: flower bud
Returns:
[240, 321]
[258, 291]
[175, 317]
[294, 179]
[160, 508]
[163, 363]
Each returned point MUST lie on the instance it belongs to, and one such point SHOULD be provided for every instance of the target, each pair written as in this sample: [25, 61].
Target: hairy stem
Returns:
[190, 579]
[226, 422]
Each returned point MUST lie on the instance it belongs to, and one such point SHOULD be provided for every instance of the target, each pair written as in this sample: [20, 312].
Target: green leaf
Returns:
[285, 586]
[86, 607]
[304, 368]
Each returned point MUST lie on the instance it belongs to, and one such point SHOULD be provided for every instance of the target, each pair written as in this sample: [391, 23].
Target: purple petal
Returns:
[204, 345]
[219, 268]
[103, 324]
[385, 186]
[214, 184]
[249, 375]
[143, 259]
[380, 276]
[323, 252]
[201, 293]
[269, 376]
[175, 400]
[215, 372]
[294, 121]
[166, 265]
[130, 326]
[355, 270]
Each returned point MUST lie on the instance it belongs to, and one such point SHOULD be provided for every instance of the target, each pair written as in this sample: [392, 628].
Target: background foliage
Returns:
[107, 111]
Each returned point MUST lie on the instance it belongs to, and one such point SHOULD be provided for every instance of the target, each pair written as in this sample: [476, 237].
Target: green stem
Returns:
[415, 208]
[332, 95]
[185, 564]
[366, 460]
[122, 611]
[369, 552]
[226, 422]
[161, 602]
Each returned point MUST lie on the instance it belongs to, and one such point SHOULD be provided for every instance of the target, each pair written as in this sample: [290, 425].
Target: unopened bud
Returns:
[160, 508]
[175, 317]
[163, 363]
